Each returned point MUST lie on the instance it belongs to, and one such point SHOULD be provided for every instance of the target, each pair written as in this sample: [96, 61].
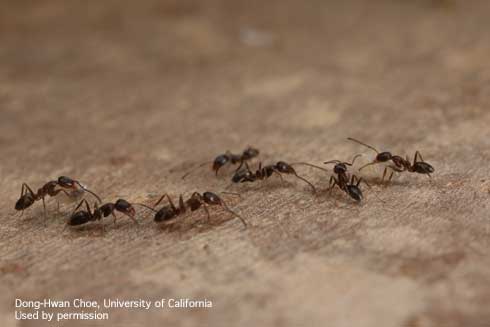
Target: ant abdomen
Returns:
[354, 192]
[422, 168]
[24, 202]
[164, 214]
[79, 218]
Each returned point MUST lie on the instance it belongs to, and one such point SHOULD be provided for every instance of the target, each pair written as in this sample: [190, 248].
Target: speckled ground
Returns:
[127, 96]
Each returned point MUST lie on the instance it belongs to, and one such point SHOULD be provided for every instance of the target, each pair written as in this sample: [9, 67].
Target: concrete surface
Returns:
[126, 96]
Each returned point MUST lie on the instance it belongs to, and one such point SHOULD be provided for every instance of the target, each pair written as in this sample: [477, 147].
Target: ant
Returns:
[281, 167]
[342, 180]
[84, 216]
[169, 213]
[28, 197]
[399, 164]
[229, 158]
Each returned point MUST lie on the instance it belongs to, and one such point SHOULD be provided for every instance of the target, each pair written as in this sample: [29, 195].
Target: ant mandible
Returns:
[84, 216]
[229, 158]
[279, 168]
[399, 164]
[28, 197]
[169, 213]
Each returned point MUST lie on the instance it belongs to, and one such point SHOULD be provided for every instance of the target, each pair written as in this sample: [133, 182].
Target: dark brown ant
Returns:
[281, 167]
[351, 187]
[399, 164]
[229, 158]
[169, 213]
[28, 197]
[84, 216]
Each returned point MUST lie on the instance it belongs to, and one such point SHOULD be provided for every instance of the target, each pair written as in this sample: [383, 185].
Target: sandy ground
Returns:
[126, 96]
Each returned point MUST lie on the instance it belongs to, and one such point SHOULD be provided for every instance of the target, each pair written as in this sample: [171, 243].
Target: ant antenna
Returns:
[232, 193]
[234, 213]
[195, 168]
[306, 181]
[361, 143]
[89, 191]
[145, 206]
[310, 165]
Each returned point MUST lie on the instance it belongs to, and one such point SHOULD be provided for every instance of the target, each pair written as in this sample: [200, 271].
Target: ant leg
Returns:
[44, 206]
[280, 176]
[384, 175]
[79, 205]
[353, 160]
[182, 208]
[207, 211]
[225, 206]
[241, 165]
[333, 181]
[417, 153]
[161, 198]
[368, 164]
[391, 176]
[25, 189]
[115, 218]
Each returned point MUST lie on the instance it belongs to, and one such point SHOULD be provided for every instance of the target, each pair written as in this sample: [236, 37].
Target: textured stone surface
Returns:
[127, 96]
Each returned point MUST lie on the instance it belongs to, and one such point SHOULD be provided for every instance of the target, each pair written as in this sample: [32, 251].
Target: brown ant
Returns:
[169, 213]
[342, 180]
[229, 158]
[28, 197]
[281, 167]
[399, 164]
[84, 216]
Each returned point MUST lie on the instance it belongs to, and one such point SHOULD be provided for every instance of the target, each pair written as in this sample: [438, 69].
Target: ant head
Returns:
[211, 198]
[125, 207]
[354, 192]
[79, 218]
[340, 168]
[250, 153]
[164, 214]
[220, 161]
[24, 202]
[383, 156]
[285, 168]
[67, 182]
